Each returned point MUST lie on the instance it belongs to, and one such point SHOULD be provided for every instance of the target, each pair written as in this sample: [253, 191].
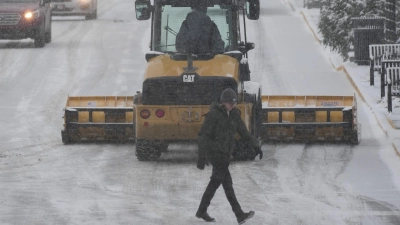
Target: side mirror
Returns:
[244, 48]
[143, 9]
[250, 46]
[253, 9]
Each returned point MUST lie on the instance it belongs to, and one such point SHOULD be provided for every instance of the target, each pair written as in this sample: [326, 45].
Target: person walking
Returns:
[215, 145]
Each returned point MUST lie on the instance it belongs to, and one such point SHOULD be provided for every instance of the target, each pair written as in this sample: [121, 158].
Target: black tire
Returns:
[64, 138]
[356, 137]
[258, 115]
[243, 152]
[40, 38]
[146, 150]
[163, 146]
[256, 112]
[92, 16]
[47, 38]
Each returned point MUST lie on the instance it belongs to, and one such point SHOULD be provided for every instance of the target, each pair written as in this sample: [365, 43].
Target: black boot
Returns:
[205, 217]
[245, 216]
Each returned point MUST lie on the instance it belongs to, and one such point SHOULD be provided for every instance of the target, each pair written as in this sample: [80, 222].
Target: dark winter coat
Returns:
[200, 33]
[216, 138]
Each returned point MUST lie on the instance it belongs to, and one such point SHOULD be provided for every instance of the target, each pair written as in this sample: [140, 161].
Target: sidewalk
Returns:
[359, 77]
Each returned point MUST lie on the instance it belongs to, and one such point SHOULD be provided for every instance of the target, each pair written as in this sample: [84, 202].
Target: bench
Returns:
[392, 81]
[387, 61]
[376, 52]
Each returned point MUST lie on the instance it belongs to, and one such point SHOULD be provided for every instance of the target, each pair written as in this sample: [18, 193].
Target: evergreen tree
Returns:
[335, 23]
[374, 8]
[398, 18]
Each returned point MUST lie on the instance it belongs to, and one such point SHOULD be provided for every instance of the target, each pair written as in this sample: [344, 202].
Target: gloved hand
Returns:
[201, 163]
[258, 151]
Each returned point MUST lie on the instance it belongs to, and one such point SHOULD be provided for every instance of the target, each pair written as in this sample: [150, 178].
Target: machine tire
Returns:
[146, 150]
[92, 16]
[47, 38]
[243, 152]
[163, 146]
[356, 137]
[40, 38]
[65, 138]
[256, 113]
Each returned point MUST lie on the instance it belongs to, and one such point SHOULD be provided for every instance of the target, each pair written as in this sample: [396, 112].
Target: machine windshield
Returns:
[173, 17]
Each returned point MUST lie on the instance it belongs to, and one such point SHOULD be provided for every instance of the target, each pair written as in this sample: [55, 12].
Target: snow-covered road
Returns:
[46, 182]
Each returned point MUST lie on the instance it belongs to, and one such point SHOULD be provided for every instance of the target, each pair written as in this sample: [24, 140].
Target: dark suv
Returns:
[20, 19]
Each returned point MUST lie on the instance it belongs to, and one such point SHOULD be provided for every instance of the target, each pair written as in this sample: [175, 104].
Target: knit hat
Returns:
[229, 96]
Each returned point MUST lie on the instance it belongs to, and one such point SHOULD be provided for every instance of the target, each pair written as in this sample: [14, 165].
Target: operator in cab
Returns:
[198, 34]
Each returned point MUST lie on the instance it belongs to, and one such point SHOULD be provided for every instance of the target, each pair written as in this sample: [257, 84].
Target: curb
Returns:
[396, 150]
[392, 124]
[291, 6]
[312, 30]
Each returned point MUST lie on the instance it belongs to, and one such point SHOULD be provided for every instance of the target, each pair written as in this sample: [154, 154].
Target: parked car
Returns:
[87, 8]
[21, 19]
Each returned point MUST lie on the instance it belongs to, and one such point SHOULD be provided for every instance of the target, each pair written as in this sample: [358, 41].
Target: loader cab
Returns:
[167, 17]
[214, 69]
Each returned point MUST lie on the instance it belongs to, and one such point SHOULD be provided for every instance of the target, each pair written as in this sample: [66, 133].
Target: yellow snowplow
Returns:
[91, 118]
[283, 118]
[310, 118]
[179, 87]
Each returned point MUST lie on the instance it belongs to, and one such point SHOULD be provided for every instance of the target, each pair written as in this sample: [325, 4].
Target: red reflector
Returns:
[160, 113]
[145, 114]
[146, 124]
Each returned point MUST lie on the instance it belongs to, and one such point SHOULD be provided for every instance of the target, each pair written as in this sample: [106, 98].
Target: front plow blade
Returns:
[309, 119]
[98, 118]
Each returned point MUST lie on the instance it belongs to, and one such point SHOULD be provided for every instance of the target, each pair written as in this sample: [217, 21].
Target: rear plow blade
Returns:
[98, 118]
[310, 119]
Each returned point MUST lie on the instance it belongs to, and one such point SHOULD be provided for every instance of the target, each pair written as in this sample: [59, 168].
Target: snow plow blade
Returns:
[98, 118]
[309, 119]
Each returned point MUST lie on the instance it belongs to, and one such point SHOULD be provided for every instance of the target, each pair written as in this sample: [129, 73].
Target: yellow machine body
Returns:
[109, 118]
[180, 123]
[220, 65]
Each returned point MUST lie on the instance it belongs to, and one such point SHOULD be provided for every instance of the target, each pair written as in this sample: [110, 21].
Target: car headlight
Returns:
[32, 14]
[84, 1]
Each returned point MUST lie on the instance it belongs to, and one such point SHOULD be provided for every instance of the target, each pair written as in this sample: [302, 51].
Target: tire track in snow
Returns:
[263, 60]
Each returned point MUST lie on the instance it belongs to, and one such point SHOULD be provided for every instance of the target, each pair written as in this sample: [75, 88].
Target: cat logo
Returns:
[188, 78]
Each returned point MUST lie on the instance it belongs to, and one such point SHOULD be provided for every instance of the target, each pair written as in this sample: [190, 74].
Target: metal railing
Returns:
[392, 80]
[377, 52]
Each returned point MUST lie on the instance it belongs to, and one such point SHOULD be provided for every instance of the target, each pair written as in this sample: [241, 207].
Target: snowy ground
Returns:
[46, 182]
